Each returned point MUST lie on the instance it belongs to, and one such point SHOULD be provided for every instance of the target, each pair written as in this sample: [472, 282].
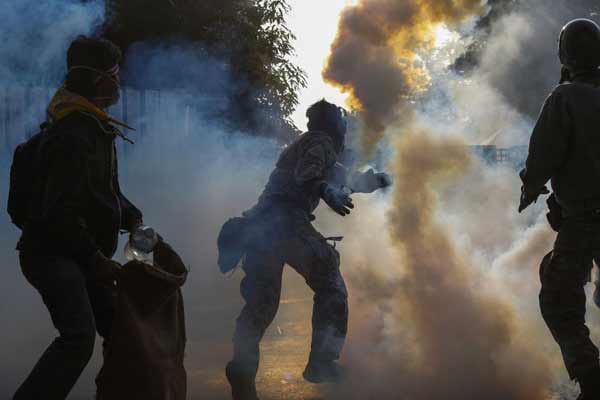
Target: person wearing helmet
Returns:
[279, 231]
[565, 149]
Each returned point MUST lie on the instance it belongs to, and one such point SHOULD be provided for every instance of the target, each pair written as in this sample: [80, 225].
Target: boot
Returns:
[590, 385]
[321, 371]
[242, 382]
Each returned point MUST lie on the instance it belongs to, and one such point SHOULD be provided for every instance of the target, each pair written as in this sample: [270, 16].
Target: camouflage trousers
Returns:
[564, 273]
[293, 241]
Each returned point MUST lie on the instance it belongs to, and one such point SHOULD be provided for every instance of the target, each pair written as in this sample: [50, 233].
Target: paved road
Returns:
[284, 352]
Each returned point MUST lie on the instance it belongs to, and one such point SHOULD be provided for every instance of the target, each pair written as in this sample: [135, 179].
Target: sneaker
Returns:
[323, 371]
[242, 384]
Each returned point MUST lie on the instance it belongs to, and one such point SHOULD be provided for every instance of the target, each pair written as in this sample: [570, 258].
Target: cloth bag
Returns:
[144, 356]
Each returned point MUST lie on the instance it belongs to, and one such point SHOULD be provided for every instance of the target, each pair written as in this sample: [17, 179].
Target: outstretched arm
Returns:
[359, 182]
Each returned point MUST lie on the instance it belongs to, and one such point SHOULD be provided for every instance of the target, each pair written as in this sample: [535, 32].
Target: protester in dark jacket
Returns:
[75, 217]
[565, 149]
[280, 232]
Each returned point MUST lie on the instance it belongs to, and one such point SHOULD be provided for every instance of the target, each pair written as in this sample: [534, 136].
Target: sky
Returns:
[315, 23]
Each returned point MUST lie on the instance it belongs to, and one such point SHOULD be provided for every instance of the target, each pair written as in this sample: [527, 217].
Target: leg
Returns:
[261, 289]
[562, 302]
[103, 301]
[319, 263]
[62, 286]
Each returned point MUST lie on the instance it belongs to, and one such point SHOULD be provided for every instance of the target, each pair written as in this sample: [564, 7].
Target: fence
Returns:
[493, 155]
[23, 109]
[151, 112]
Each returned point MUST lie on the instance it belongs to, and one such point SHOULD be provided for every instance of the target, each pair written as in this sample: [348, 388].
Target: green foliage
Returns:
[252, 33]
[274, 43]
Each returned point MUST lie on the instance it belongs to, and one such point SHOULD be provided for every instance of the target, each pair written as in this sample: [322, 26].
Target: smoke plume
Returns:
[428, 321]
[374, 57]
[516, 47]
[451, 309]
[455, 323]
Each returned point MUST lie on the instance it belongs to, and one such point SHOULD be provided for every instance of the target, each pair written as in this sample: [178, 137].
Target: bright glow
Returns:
[315, 24]
[444, 36]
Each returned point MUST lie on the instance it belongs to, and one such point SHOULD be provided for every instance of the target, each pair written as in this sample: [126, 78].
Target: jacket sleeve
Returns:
[131, 216]
[313, 165]
[66, 195]
[548, 144]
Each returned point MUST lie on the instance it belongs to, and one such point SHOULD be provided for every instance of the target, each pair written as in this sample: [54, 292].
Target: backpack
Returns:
[23, 177]
[232, 243]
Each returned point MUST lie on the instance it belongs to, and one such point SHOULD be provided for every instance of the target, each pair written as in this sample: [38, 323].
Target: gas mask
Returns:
[112, 75]
[331, 119]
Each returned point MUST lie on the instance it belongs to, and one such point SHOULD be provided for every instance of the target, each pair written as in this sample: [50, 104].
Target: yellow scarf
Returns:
[64, 103]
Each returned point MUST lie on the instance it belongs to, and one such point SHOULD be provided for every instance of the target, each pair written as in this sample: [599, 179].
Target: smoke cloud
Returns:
[375, 59]
[429, 318]
[35, 36]
[519, 57]
[449, 302]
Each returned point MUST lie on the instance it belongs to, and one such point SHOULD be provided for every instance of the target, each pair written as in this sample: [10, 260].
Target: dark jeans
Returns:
[307, 252]
[564, 273]
[78, 308]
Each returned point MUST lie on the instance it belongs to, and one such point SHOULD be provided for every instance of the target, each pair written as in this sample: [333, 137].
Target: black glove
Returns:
[529, 197]
[104, 270]
[337, 199]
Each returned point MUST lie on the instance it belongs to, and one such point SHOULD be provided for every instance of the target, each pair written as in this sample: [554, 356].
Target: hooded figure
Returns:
[565, 149]
[74, 217]
[278, 231]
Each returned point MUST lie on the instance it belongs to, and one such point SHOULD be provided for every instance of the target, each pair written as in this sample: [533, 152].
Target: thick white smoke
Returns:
[467, 220]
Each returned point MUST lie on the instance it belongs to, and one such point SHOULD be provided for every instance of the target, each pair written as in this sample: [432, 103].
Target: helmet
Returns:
[579, 45]
[329, 118]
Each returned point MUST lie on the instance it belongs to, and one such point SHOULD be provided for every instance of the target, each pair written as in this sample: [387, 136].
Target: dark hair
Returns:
[97, 53]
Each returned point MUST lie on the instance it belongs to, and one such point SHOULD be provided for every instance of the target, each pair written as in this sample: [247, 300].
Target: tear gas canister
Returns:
[141, 244]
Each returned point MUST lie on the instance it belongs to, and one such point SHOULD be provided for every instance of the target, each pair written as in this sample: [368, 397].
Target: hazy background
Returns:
[442, 265]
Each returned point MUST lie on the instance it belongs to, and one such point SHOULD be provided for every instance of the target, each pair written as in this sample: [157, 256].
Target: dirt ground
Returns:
[284, 353]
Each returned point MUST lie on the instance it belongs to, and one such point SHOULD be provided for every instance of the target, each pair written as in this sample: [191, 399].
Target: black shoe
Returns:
[242, 383]
[590, 385]
[323, 371]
